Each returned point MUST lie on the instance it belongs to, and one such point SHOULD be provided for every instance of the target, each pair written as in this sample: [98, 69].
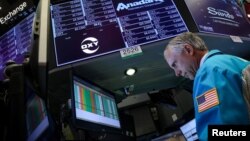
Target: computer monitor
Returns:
[15, 43]
[94, 108]
[189, 130]
[28, 116]
[37, 120]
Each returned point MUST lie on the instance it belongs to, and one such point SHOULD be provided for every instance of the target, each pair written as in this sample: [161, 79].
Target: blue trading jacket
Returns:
[217, 92]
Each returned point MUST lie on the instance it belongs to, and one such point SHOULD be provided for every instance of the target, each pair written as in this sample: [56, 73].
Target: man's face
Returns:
[182, 62]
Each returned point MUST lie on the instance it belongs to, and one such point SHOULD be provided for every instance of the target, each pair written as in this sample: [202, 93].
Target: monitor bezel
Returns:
[88, 125]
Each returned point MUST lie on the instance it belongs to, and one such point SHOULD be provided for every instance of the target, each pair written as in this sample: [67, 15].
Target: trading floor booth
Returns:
[98, 40]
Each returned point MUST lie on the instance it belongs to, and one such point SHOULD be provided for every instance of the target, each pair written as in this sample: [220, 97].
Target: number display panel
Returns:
[85, 29]
[15, 43]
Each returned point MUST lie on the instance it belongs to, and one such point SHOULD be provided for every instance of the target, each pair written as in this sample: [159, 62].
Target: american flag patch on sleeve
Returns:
[207, 100]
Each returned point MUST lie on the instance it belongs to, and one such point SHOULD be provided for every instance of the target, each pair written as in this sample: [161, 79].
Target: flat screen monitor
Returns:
[87, 29]
[219, 17]
[15, 43]
[189, 130]
[37, 120]
[94, 108]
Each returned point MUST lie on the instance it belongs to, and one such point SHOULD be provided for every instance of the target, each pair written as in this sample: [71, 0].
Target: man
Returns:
[220, 81]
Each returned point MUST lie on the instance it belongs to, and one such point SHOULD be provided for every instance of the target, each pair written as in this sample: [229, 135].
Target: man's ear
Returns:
[189, 49]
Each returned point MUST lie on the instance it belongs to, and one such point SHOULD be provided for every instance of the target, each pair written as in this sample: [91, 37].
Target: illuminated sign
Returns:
[90, 45]
[122, 6]
[12, 13]
[219, 17]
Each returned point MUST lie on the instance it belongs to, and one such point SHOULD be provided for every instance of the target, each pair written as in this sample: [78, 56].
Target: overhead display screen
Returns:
[14, 11]
[15, 43]
[219, 16]
[85, 29]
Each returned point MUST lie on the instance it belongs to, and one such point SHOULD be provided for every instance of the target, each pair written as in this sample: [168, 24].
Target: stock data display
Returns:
[15, 43]
[220, 17]
[85, 29]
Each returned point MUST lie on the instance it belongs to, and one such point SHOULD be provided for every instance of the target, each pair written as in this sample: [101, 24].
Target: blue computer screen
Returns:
[15, 43]
[189, 130]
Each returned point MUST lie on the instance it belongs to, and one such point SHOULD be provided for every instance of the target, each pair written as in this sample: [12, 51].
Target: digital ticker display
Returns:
[219, 16]
[15, 43]
[85, 29]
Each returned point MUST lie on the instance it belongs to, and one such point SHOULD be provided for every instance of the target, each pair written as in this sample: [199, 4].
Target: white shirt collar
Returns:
[203, 59]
